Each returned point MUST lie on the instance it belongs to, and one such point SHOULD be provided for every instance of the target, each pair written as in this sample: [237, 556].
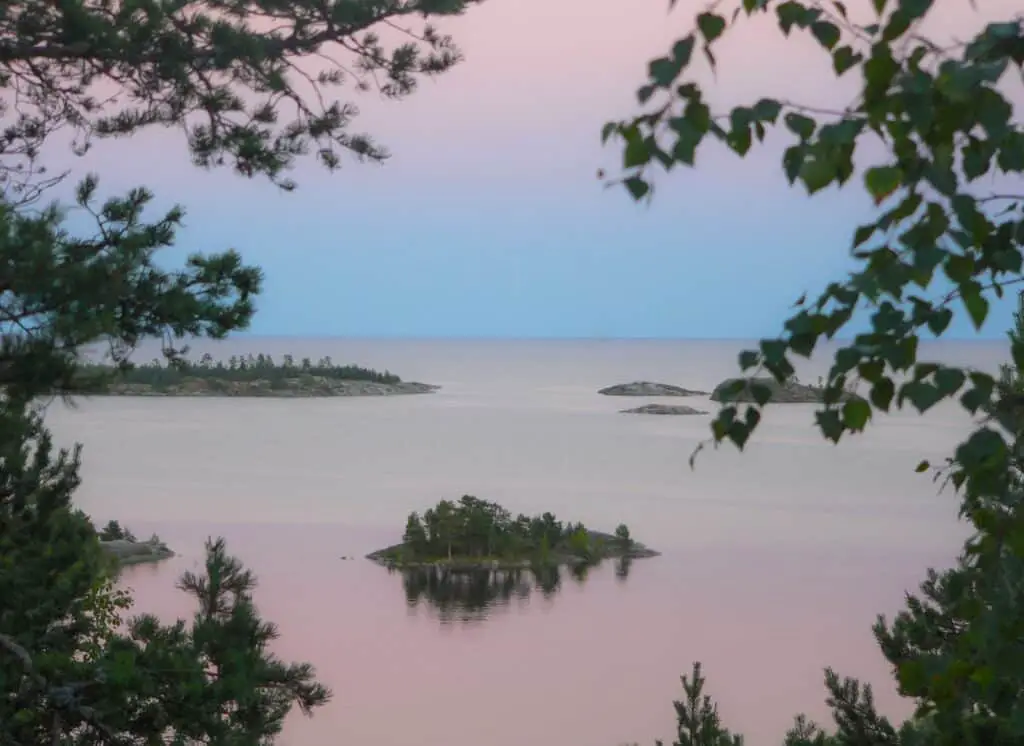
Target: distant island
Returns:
[664, 409]
[790, 392]
[122, 546]
[245, 375]
[647, 388]
[474, 534]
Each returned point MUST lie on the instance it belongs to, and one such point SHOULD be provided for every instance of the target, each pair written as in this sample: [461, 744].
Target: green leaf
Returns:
[922, 467]
[638, 188]
[826, 33]
[830, 425]
[977, 307]
[949, 380]
[881, 181]
[879, 6]
[939, 321]
[663, 71]
[862, 234]
[762, 394]
[636, 153]
[915, 8]
[767, 109]
[856, 413]
[800, 125]
[682, 50]
[882, 393]
[845, 58]
[793, 161]
[899, 23]
[921, 394]
[1011, 153]
[790, 14]
[817, 173]
[711, 26]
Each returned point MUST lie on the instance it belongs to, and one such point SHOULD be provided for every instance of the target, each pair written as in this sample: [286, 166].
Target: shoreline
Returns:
[262, 389]
[387, 558]
[126, 552]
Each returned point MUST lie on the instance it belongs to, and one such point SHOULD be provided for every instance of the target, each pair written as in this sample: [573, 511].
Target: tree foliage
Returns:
[61, 293]
[163, 374]
[249, 82]
[941, 241]
[475, 528]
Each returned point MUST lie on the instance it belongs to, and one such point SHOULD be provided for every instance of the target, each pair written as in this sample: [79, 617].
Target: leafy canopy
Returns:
[944, 123]
[943, 118]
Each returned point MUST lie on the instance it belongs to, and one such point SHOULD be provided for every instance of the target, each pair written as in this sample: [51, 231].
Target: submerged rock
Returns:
[676, 409]
[647, 388]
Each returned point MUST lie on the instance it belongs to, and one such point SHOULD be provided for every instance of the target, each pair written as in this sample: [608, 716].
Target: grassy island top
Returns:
[474, 533]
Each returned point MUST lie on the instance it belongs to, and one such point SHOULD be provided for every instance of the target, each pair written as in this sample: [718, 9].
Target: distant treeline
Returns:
[159, 374]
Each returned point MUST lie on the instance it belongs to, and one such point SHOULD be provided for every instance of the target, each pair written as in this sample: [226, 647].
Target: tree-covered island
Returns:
[474, 534]
[244, 375]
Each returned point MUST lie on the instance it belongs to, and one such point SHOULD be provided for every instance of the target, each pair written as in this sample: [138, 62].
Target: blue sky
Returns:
[489, 221]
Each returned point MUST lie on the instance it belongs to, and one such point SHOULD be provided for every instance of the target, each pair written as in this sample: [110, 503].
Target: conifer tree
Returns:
[249, 84]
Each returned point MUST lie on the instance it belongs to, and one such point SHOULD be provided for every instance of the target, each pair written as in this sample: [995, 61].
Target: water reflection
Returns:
[474, 595]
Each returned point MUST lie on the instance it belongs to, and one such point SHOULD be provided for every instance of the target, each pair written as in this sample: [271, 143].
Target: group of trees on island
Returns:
[162, 374]
[478, 529]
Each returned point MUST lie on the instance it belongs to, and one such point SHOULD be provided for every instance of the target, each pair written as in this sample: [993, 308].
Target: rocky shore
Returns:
[128, 552]
[664, 409]
[647, 388]
[791, 392]
[304, 386]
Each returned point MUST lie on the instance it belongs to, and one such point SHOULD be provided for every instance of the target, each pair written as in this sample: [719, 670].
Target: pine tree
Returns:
[415, 536]
[68, 674]
[697, 721]
[245, 98]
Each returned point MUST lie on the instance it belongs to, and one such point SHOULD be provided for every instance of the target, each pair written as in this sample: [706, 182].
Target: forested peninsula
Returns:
[121, 546]
[245, 375]
[473, 534]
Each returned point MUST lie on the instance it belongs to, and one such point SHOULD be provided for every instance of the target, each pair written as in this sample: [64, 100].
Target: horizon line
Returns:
[524, 338]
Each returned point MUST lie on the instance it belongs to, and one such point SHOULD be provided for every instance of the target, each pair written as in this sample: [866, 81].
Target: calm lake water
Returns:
[775, 561]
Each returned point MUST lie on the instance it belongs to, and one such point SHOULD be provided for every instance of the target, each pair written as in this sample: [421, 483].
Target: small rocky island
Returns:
[122, 546]
[790, 392]
[647, 388]
[664, 409]
[473, 534]
[247, 376]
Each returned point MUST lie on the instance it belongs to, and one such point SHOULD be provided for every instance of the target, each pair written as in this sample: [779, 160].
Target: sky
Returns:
[489, 220]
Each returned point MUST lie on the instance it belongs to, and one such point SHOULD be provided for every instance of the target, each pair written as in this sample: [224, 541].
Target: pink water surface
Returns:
[598, 663]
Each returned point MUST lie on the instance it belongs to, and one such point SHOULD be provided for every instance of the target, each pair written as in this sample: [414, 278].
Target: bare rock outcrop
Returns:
[647, 388]
[664, 409]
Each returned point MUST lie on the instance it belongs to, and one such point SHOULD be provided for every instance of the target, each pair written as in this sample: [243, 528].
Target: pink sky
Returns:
[490, 211]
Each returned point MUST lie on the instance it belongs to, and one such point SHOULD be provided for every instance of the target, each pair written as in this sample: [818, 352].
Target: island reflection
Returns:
[474, 595]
